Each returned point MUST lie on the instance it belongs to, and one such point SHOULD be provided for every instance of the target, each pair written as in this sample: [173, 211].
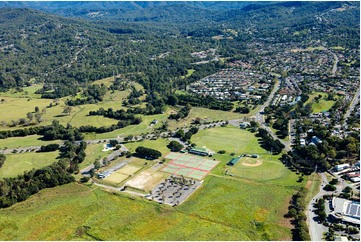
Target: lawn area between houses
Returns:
[322, 105]
[77, 212]
[16, 164]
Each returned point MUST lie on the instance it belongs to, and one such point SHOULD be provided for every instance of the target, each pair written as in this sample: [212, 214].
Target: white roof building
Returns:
[342, 167]
[346, 210]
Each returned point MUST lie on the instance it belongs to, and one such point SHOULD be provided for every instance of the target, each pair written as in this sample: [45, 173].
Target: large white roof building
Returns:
[346, 210]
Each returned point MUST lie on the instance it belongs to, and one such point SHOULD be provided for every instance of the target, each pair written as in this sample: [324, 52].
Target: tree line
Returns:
[275, 146]
[49, 132]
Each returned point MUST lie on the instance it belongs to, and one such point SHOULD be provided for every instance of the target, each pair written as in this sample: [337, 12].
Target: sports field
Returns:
[117, 177]
[196, 167]
[16, 164]
[146, 180]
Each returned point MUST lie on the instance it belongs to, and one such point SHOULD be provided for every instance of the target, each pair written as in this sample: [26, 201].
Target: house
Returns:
[315, 140]
[341, 238]
[302, 142]
[342, 167]
[201, 151]
[155, 121]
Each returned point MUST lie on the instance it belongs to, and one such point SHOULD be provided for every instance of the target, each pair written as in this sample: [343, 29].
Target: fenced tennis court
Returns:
[188, 165]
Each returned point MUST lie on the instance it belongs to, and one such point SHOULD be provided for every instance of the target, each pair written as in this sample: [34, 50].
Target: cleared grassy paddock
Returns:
[63, 212]
[16, 164]
[27, 92]
[142, 128]
[27, 141]
[255, 209]
[14, 108]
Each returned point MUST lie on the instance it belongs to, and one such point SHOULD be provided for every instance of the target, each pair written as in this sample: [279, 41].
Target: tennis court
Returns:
[189, 165]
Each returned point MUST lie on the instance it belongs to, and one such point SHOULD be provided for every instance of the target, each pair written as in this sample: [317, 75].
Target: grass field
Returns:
[16, 164]
[78, 116]
[231, 139]
[239, 141]
[31, 140]
[93, 152]
[76, 212]
[313, 185]
[242, 205]
[159, 144]
[322, 105]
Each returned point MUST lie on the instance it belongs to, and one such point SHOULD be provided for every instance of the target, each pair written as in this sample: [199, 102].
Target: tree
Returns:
[67, 110]
[92, 172]
[2, 159]
[172, 100]
[36, 109]
[175, 146]
[147, 152]
[30, 116]
[113, 142]
[38, 117]
[96, 164]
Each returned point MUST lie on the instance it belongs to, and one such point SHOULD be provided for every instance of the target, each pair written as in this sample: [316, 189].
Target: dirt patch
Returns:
[256, 163]
[145, 180]
[308, 184]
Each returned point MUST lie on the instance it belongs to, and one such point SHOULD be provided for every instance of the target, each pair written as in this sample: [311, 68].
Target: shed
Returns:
[233, 161]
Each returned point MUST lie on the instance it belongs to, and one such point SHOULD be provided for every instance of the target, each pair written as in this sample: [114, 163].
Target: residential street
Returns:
[353, 103]
[316, 229]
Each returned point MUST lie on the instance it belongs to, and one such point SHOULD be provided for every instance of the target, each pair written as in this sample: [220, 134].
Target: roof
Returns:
[341, 238]
[199, 149]
[342, 166]
[233, 161]
[350, 210]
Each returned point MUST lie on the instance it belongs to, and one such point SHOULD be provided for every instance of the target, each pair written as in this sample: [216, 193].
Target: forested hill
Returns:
[151, 42]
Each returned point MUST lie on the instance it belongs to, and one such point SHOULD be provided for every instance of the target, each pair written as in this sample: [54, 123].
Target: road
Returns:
[110, 157]
[316, 229]
[334, 67]
[259, 117]
[353, 103]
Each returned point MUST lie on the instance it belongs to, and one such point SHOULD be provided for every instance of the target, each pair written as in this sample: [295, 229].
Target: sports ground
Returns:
[192, 166]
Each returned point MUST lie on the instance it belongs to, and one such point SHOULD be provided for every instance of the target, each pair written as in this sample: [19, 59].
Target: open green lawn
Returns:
[93, 152]
[322, 105]
[142, 128]
[240, 205]
[14, 108]
[239, 141]
[159, 144]
[27, 92]
[27, 141]
[16, 164]
[189, 73]
[63, 213]
[231, 139]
